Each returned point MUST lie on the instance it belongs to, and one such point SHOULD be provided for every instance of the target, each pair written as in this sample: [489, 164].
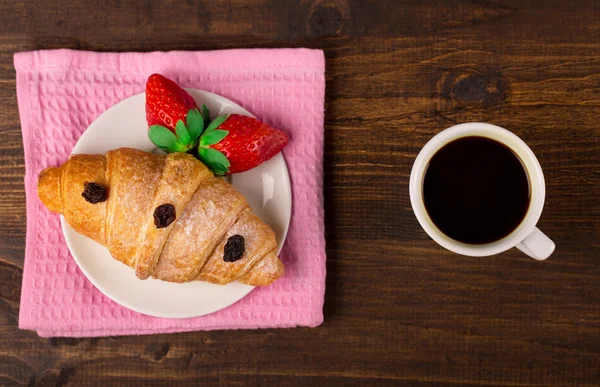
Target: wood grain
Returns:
[399, 309]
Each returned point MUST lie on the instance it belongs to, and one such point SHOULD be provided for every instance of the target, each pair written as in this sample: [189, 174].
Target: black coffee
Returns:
[476, 190]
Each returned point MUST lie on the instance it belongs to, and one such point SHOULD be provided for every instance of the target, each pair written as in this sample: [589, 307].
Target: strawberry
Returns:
[228, 144]
[166, 102]
[249, 142]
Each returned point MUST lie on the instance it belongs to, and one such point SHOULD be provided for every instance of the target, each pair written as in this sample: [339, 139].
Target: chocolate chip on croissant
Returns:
[164, 215]
[234, 248]
[93, 193]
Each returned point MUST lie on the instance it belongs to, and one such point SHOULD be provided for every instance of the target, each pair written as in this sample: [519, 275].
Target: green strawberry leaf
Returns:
[195, 124]
[180, 147]
[215, 160]
[162, 137]
[216, 123]
[220, 170]
[213, 137]
[205, 114]
[182, 133]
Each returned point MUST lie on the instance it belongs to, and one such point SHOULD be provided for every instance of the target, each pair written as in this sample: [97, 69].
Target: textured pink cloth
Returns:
[61, 92]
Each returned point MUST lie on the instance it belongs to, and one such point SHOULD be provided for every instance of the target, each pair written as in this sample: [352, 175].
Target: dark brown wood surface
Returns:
[399, 310]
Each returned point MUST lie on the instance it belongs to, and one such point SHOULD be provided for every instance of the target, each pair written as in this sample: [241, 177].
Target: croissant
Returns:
[166, 216]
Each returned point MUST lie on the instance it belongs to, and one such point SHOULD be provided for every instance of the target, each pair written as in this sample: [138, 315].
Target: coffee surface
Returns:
[476, 190]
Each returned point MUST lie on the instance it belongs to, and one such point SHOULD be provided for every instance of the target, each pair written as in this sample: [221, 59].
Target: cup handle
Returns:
[537, 245]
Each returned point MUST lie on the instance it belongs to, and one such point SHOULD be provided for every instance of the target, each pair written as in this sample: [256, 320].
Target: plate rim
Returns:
[66, 228]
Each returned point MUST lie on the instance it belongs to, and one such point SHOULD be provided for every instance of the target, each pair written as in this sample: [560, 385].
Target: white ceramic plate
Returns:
[266, 187]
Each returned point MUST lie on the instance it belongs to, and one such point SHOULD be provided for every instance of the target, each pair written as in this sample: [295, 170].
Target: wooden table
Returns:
[399, 310]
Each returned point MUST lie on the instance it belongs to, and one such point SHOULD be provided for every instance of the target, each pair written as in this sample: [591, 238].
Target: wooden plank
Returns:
[399, 310]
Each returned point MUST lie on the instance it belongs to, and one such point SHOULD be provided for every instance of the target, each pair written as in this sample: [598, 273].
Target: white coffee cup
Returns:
[526, 237]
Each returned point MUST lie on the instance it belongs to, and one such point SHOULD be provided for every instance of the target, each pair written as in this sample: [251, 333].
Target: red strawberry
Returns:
[249, 142]
[227, 144]
[166, 102]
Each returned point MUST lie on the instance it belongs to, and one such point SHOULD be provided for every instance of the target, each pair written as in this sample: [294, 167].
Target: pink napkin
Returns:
[61, 92]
